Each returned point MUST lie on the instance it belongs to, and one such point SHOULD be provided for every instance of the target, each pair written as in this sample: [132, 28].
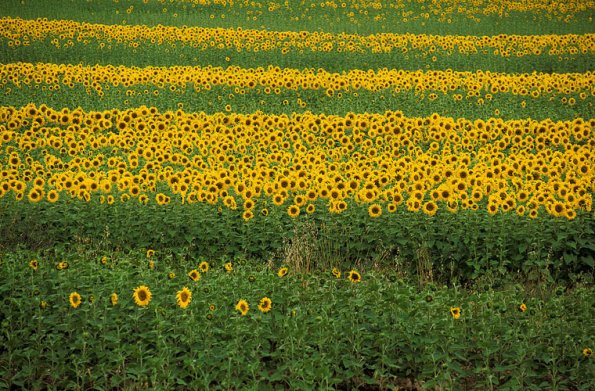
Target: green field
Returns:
[368, 195]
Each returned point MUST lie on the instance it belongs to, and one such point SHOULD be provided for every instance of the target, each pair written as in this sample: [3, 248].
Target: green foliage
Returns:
[458, 246]
[321, 330]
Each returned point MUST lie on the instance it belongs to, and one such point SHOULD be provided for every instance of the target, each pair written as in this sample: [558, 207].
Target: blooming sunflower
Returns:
[75, 299]
[62, 265]
[283, 272]
[151, 265]
[212, 307]
[142, 296]
[265, 305]
[194, 275]
[171, 275]
[204, 266]
[354, 276]
[104, 260]
[455, 312]
[375, 210]
[336, 272]
[150, 253]
[243, 307]
[228, 267]
[587, 352]
[114, 298]
[184, 297]
[33, 264]
[523, 307]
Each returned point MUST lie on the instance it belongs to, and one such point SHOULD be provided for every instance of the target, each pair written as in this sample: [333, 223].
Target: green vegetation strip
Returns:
[149, 54]
[417, 17]
[232, 99]
[320, 330]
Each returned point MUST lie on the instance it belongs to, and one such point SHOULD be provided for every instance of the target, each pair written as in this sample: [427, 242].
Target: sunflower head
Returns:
[194, 275]
[74, 299]
[229, 267]
[283, 272]
[587, 352]
[455, 312]
[204, 267]
[336, 272]
[354, 276]
[171, 275]
[151, 265]
[523, 307]
[114, 298]
[212, 307]
[104, 260]
[142, 296]
[184, 297]
[33, 264]
[150, 253]
[265, 305]
[243, 307]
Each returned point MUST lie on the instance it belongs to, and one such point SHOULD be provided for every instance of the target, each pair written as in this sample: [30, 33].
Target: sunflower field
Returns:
[247, 194]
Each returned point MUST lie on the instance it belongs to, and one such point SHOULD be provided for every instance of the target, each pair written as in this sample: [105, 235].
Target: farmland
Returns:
[212, 194]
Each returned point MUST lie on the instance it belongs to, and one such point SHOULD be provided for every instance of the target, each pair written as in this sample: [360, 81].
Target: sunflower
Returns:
[33, 264]
[354, 276]
[293, 211]
[375, 211]
[455, 312]
[283, 272]
[212, 307]
[265, 305]
[587, 352]
[142, 296]
[336, 272]
[62, 265]
[151, 265]
[150, 253]
[204, 266]
[184, 297]
[171, 275]
[114, 298]
[228, 267]
[430, 208]
[75, 299]
[243, 307]
[194, 275]
[523, 307]
[104, 260]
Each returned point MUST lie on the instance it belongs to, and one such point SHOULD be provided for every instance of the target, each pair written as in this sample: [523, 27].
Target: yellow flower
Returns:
[523, 307]
[171, 275]
[587, 352]
[243, 307]
[354, 276]
[75, 299]
[283, 272]
[204, 266]
[150, 253]
[33, 264]
[151, 265]
[184, 297]
[265, 305]
[228, 267]
[374, 211]
[336, 272]
[114, 298]
[455, 312]
[194, 275]
[142, 296]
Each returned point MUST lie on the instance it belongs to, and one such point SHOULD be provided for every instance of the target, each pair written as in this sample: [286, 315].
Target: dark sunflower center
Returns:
[184, 297]
[142, 295]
